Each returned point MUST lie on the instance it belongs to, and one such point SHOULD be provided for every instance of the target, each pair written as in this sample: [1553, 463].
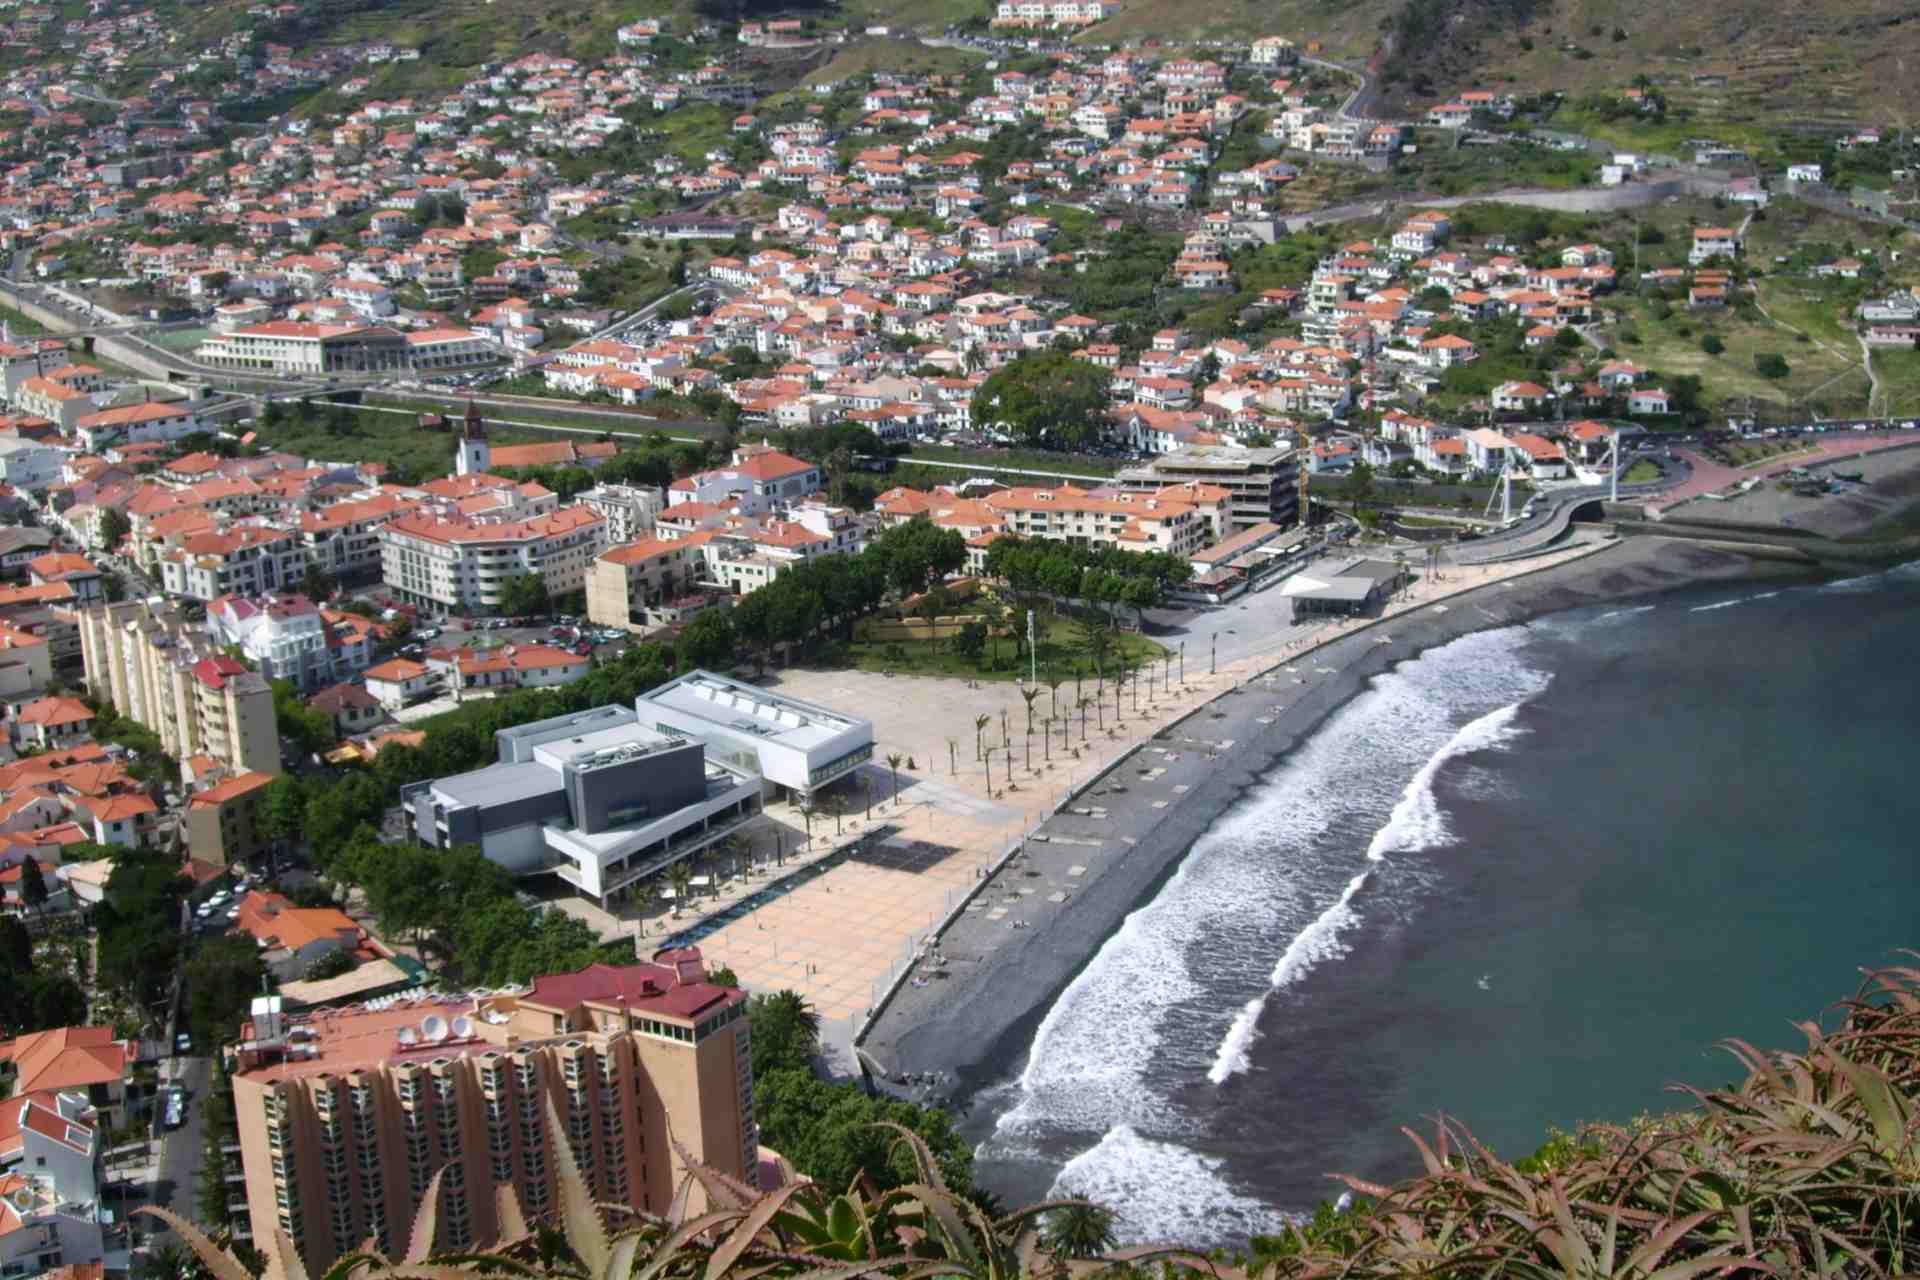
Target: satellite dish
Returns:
[434, 1028]
[462, 1028]
[409, 1037]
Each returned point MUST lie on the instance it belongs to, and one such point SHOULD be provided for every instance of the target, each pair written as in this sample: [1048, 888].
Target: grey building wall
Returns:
[656, 784]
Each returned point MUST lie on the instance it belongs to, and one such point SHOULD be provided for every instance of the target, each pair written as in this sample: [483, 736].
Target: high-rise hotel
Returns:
[346, 1115]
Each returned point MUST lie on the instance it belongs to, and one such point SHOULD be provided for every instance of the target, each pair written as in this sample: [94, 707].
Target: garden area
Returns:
[1065, 647]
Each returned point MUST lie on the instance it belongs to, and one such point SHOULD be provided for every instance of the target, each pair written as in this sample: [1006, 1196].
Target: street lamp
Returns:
[1213, 655]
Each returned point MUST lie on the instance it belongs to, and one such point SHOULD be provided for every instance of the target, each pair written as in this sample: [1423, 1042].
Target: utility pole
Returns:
[1613, 493]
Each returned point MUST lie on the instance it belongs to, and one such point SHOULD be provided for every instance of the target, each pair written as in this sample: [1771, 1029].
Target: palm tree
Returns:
[643, 894]
[1053, 694]
[953, 760]
[1078, 1231]
[793, 1009]
[980, 724]
[1082, 704]
[893, 763]
[1027, 696]
[680, 875]
[1046, 739]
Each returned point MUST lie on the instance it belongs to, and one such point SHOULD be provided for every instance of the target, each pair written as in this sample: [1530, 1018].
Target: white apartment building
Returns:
[459, 562]
[136, 424]
[287, 638]
[243, 559]
[757, 478]
[629, 510]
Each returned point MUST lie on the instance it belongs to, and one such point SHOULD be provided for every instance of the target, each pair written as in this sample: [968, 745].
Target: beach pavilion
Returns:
[1346, 590]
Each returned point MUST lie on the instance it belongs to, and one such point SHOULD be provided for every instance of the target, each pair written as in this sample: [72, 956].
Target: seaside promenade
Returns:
[844, 934]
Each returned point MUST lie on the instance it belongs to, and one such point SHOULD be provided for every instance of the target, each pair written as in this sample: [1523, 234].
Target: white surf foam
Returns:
[1234, 1050]
[1147, 1013]
[1415, 823]
[1161, 1192]
[1728, 604]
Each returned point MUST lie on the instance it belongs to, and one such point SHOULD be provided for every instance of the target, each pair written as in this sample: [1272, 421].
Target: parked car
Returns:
[183, 1043]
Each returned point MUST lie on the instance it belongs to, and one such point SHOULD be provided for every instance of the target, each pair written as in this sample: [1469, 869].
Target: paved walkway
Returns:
[1712, 477]
[843, 935]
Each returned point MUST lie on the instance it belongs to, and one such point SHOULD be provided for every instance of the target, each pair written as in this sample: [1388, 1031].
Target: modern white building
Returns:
[598, 798]
[798, 747]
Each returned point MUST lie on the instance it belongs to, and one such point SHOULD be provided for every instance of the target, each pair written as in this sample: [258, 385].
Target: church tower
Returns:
[475, 454]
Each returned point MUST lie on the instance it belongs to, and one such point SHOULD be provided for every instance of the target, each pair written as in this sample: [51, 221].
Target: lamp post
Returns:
[1213, 655]
[1183, 662]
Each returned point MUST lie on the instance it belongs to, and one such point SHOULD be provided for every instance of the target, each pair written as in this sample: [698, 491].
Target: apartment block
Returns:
[463, 562]
[346, 1115]
[625, 580]
[1262, 482]
[159, 669]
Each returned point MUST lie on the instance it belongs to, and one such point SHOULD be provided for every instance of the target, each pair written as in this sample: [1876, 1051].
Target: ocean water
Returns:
[1526, 879]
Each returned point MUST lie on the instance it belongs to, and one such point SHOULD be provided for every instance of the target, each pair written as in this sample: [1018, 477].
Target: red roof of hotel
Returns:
[677, 986]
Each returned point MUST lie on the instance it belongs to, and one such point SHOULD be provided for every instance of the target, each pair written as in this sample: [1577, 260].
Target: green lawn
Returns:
[1060, 656]
[1641, 472]
[1830, 380]
[22, 325]
[1899, 372]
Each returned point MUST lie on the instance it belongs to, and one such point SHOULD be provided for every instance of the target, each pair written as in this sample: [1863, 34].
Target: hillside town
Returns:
[454, 537]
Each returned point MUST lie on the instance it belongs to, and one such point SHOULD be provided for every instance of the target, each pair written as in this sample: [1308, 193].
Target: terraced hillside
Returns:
[1820, 65]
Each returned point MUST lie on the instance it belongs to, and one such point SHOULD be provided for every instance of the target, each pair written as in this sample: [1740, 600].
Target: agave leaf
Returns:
[723, 1192]
[1435, 1164]
[626, 1247]
[668, 1250]
[584, 1230]
[922, 1156]
[283, 1261]
[425, 1222]
[843, 1224]
[506, 1208]
[1884, 1108]
[750, 1227]
[961, 1243]
[1701, 1266]
[880, 1266]
[222, 1264]
[1658, 1245]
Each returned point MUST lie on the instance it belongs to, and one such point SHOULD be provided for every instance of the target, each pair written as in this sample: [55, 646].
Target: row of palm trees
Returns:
[1126, 678]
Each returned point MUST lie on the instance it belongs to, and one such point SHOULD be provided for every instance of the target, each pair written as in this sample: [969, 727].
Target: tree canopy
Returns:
[1048, 399]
